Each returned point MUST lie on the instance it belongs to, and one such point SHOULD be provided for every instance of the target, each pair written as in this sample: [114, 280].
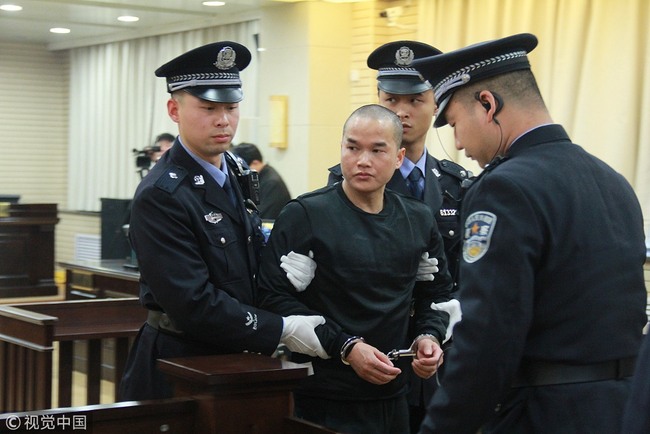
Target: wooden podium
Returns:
[27, 249]
[238, 393]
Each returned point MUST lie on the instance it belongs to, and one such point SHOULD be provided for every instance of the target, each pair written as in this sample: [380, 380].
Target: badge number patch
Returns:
[479, 227]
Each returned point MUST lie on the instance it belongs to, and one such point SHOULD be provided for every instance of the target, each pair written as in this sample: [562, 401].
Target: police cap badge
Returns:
[394, 63]
[210, 72]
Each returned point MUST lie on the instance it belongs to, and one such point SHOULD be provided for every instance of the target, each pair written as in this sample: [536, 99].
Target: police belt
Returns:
[542, 373]
[160, 321]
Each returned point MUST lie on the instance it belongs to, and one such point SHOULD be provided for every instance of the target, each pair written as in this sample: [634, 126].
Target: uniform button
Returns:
[249, 239]
[451, 232]
[497, 408]
[223, 240]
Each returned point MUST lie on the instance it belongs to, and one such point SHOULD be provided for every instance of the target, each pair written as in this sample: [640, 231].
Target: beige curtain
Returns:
[117, 104]
[592, 64]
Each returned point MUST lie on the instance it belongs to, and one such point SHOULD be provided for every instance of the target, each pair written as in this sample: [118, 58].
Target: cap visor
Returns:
[441, 120]
[217, 94]
[403, 87]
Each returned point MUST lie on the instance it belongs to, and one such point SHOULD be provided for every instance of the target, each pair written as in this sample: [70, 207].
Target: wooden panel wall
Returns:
[369, 31]
[34, 127]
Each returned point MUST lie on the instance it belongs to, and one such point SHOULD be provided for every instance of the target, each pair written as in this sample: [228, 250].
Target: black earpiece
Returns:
[486, 105]
[499, 101]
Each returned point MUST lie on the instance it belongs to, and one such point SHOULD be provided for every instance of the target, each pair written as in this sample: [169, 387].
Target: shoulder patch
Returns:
[171, 178]
[479, 227]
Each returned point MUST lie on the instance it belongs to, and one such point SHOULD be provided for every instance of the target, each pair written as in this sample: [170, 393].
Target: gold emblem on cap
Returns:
[404, 56]
[225, 58]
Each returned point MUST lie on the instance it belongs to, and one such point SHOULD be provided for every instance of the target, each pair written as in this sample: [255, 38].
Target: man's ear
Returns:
[172, 109]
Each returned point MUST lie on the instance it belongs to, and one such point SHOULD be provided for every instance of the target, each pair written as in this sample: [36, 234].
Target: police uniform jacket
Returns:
[198, 256]
[551, 272]
[637, 417]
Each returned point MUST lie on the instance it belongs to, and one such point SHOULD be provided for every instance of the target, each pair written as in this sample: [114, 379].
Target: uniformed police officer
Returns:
[196, 242]
[551, 276]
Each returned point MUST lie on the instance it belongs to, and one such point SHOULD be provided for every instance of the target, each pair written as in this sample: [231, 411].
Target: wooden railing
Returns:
[28, 333]
[230, 394]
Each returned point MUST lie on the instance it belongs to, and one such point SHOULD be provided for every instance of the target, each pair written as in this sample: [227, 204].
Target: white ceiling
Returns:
[95, 21]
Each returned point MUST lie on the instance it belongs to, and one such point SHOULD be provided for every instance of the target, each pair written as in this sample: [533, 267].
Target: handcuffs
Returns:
[396, 354]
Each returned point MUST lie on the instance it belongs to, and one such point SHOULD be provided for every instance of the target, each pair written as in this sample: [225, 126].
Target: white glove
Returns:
[452, 307]
[299, 336]
[426, 268]
[300, 269]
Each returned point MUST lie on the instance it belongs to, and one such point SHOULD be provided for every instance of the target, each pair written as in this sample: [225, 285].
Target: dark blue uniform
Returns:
[198, 257]
[637, 414]
[551, 282]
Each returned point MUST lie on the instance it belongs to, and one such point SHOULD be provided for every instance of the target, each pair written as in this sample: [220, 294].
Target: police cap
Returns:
[454, 69]
[210, 72]
[393, 61]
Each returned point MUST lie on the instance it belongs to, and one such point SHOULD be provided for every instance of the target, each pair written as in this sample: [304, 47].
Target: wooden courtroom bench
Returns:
[29, 331]
[231, 394]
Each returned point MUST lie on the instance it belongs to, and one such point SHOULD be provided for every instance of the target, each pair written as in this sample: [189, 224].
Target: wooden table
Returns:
[107, 278]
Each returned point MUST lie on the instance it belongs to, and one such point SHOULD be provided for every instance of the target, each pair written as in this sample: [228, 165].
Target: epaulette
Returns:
[454, 169]
[494, 163]
[171, 178]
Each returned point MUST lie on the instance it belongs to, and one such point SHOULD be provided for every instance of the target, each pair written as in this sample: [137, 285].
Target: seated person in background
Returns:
[368, 243]
[163, 142]
[274, 194]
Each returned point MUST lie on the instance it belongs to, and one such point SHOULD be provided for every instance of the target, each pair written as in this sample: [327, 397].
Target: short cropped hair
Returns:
[379, 112]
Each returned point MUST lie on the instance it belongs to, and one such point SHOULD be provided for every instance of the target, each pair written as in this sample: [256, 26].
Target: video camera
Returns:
[143, 156]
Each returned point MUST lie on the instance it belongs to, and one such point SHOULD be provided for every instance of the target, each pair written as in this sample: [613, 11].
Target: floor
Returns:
[79, 386]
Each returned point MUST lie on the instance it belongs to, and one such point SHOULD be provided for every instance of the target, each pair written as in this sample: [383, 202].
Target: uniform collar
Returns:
[218, 174]
[408, 165]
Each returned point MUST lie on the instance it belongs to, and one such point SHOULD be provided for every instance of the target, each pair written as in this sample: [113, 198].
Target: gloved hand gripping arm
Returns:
[298, 334]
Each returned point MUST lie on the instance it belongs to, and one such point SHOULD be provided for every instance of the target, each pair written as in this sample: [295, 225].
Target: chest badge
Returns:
[213, 217]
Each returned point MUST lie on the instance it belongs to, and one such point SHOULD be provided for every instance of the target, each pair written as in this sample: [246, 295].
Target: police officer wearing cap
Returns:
[439, 183]
[197, 235]
[551, 275]
[402, 89]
